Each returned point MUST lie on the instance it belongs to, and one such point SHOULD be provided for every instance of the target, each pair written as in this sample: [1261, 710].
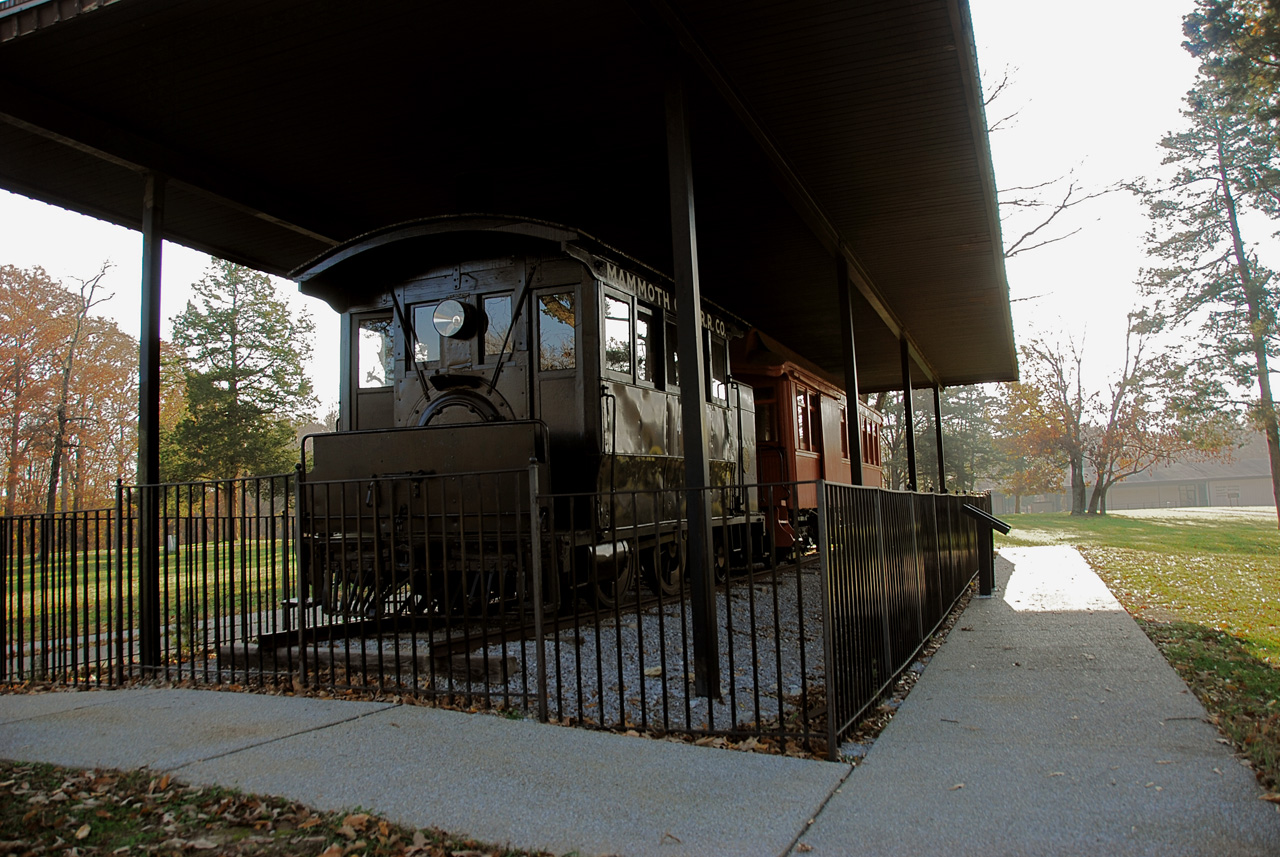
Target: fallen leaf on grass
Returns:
[83, 832]
[334, 850]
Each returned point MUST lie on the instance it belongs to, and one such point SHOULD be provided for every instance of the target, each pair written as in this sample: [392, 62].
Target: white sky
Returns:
[1096, 85]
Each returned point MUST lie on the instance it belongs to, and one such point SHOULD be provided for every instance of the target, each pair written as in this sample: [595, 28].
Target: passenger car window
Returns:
[808, 419]
[617, 335]
[426, 346]
[376, 360]
[556, 335]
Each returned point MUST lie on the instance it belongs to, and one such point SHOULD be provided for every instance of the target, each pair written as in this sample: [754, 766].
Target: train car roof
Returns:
[287, 127]
[758, 350]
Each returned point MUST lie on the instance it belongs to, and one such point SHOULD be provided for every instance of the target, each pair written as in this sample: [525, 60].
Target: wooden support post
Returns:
[853, 420]
[937, 430]
[149, 536]
[693, 412]
[908, 416]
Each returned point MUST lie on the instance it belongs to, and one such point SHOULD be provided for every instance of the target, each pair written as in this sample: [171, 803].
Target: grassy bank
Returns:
[1203, 585]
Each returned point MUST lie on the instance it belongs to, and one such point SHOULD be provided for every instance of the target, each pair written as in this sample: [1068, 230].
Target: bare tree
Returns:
[88, 291]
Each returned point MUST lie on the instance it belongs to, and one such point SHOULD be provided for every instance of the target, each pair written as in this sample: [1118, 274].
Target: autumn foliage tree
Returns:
[68, 396]
[1150, 413]
[1046, 413]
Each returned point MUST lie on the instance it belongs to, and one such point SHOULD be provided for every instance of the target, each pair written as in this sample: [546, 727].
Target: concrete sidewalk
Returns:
[1069, 733]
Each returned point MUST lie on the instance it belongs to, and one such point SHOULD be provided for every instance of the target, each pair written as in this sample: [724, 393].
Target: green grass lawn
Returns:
[197, 583]
[1205, 587]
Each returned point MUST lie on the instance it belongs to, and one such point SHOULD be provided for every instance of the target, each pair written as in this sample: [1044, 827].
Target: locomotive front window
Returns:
[556, 337]
[376, 353]
[617, 335]
[426, 346]
[497, 336]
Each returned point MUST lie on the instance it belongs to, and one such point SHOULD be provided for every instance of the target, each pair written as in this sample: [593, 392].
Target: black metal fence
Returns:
[483, 591]
[73, 587]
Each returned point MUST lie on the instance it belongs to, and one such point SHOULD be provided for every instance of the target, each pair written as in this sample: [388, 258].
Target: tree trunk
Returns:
[1077, 484]
[1255, 299]
[1095, 496]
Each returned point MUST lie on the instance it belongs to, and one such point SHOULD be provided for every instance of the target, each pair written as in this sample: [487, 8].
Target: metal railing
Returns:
[895, 564]
[483, 591]
[73, 588]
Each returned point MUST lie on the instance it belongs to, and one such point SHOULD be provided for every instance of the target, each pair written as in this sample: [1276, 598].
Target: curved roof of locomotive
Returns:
[819, 128]
[369, 265]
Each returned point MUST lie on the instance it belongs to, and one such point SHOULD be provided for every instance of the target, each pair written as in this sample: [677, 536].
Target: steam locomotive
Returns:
[488, 362]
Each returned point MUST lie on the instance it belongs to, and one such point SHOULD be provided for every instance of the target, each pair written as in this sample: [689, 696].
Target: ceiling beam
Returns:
[78, 130]
[792, 185]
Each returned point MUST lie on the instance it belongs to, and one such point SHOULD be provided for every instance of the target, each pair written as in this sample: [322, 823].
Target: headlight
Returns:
[454, 319]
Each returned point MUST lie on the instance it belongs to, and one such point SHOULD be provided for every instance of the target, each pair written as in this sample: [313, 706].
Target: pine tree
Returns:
[244, 371]
[1211, 276]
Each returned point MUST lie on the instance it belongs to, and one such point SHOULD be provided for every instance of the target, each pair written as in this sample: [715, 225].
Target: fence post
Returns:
[302, 572]
[986, 562]
[986, 525]
[535, 545]
[149, 578]
[6, 588]
[118, 544]
[828, 622]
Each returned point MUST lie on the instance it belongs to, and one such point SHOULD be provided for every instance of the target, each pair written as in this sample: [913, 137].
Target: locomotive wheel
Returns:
[664, 568]
[608, 591]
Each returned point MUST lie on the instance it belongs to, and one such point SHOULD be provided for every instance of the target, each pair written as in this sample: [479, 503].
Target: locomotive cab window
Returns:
[557, 337]
[617, 335]
[673, 355]
[375, 364]
[718, 377]
[646, 340]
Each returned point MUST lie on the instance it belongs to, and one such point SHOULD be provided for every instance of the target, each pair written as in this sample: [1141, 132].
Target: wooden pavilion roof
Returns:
[820, 127]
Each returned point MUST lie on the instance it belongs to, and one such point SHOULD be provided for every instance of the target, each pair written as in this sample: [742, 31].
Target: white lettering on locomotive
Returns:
[649, 293]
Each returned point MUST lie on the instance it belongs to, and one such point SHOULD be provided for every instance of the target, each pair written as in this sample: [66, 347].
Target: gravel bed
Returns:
[635, 667]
